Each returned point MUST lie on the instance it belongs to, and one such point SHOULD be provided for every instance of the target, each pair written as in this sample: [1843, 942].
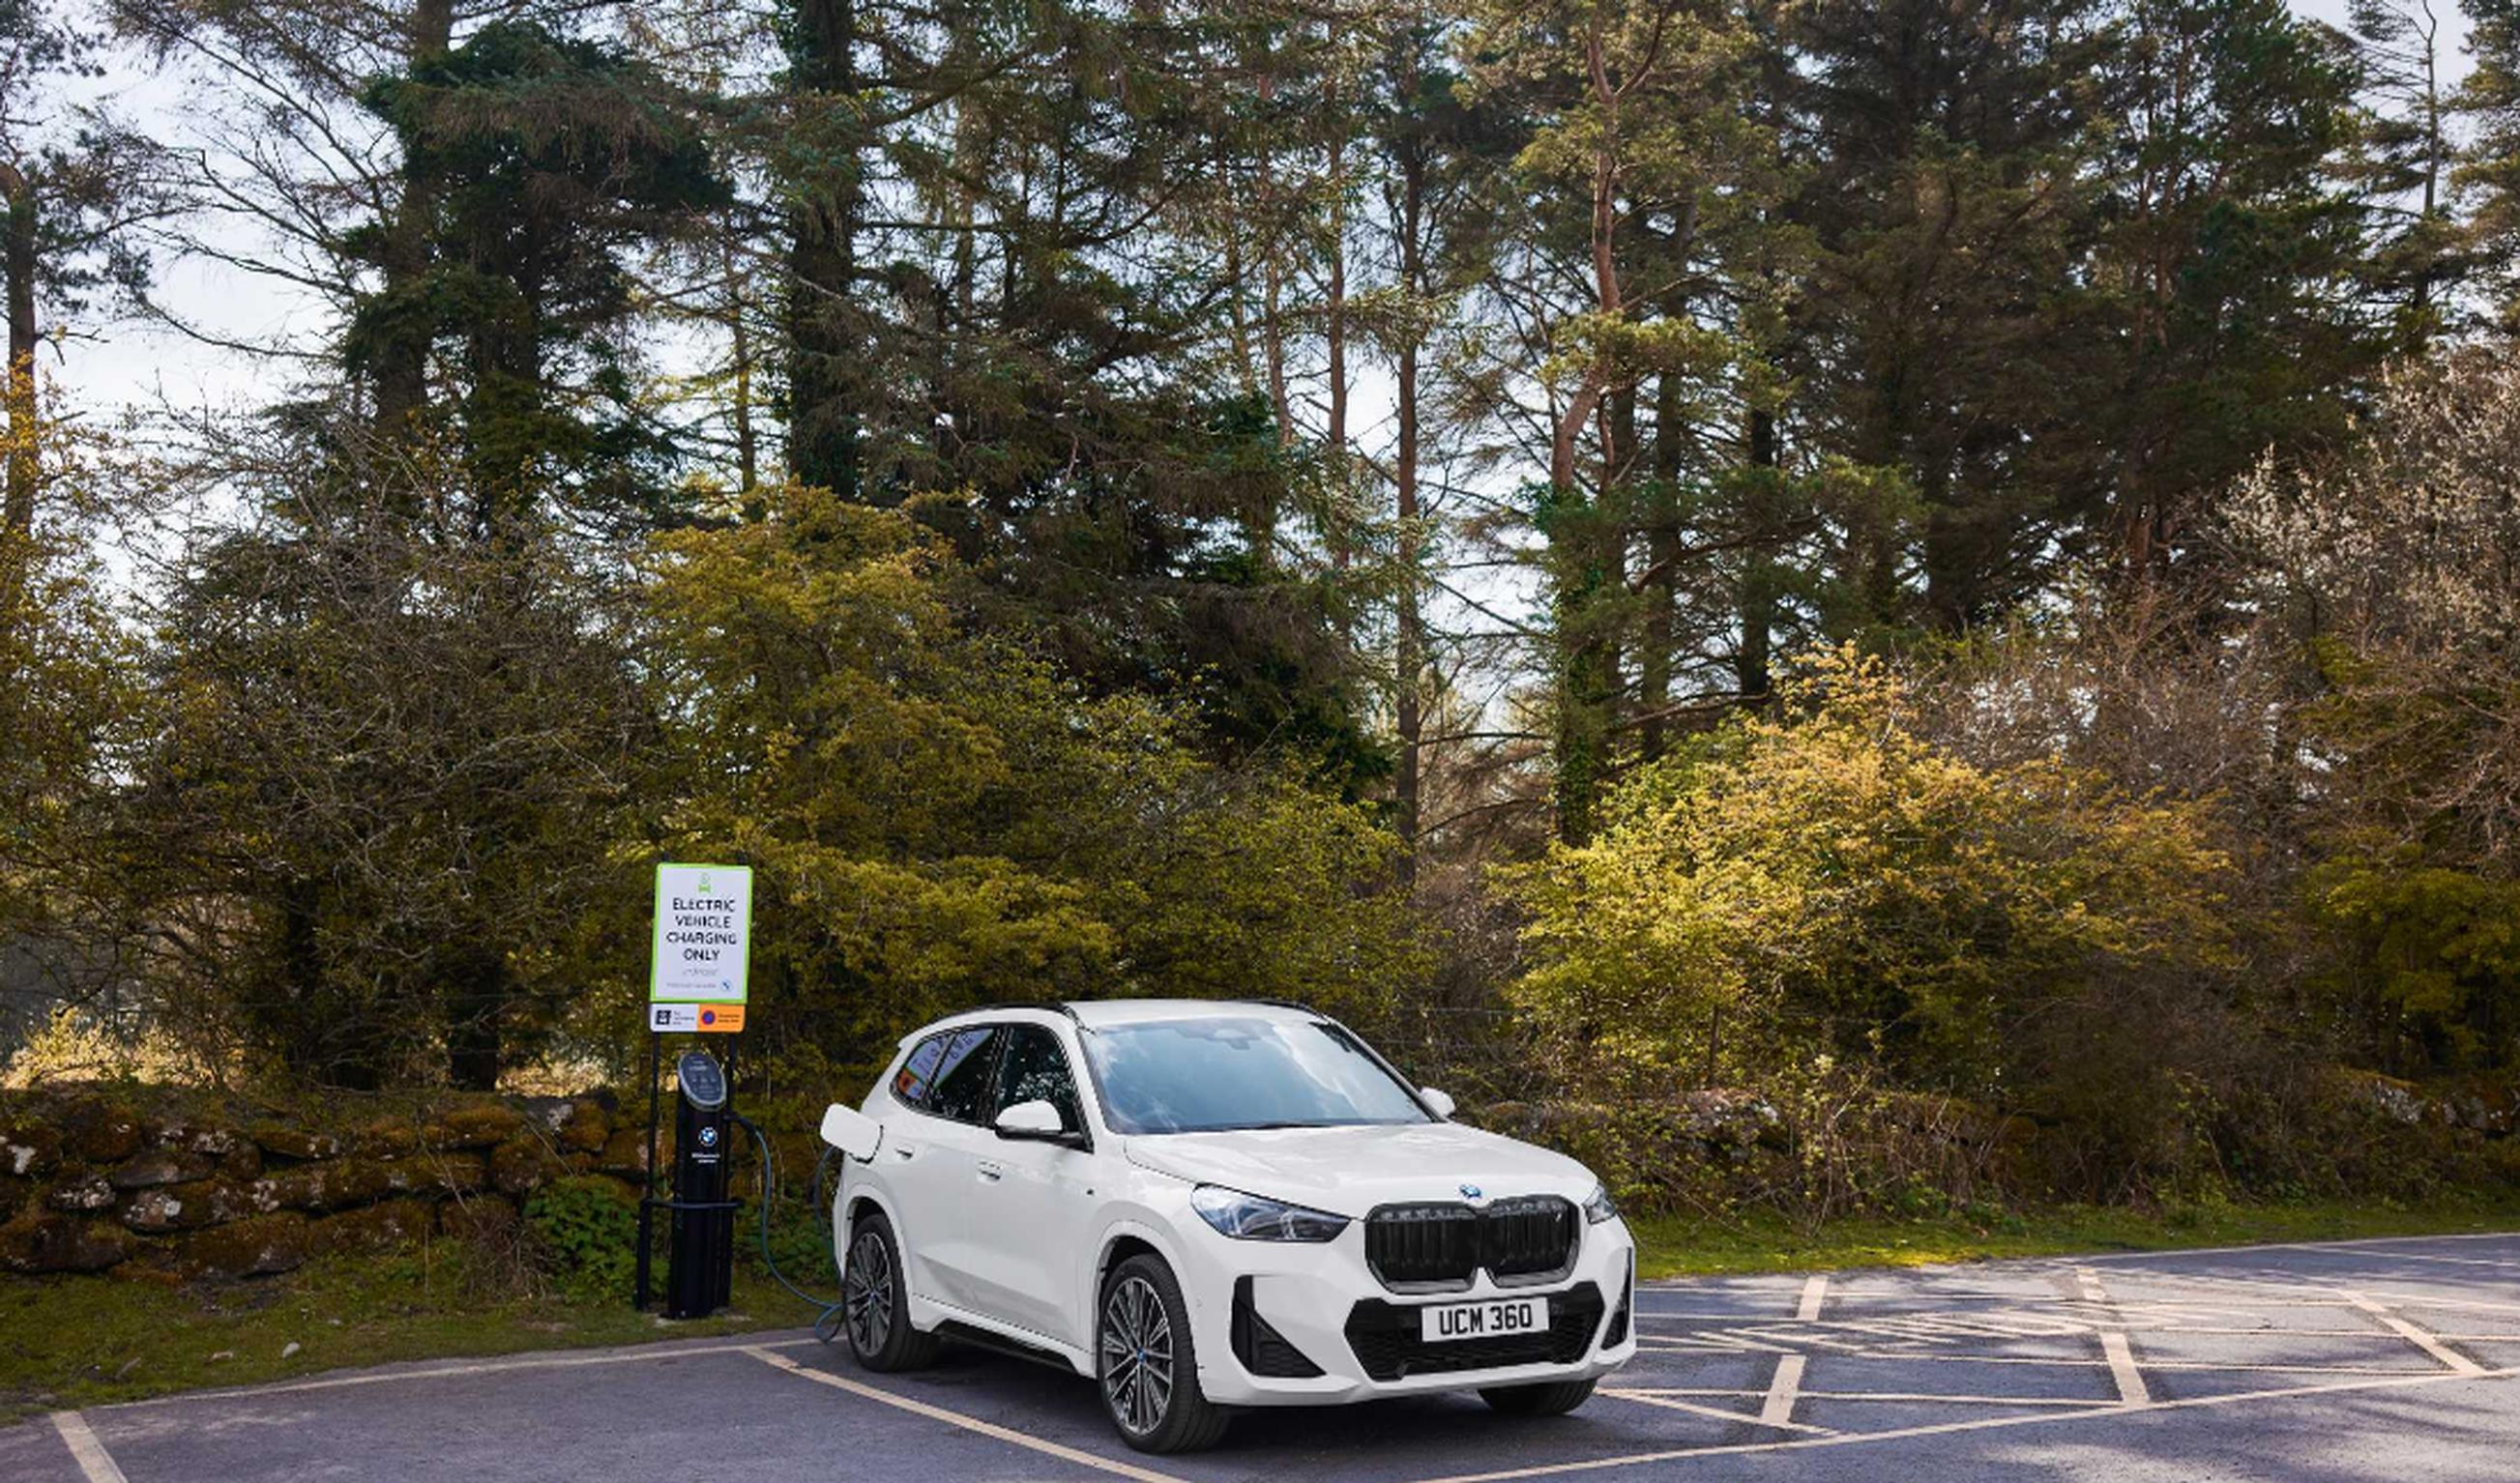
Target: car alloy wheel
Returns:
[868, 1293]
[1137, 1356]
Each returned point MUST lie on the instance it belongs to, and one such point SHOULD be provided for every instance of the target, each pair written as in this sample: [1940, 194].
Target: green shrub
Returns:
[585, 1236]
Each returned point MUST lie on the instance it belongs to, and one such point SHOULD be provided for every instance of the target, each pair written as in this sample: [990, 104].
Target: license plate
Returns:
[1498, 1318]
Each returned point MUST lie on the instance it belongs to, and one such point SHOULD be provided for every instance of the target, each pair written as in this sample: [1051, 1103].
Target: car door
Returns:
[1038, 1196]
[933, 1168]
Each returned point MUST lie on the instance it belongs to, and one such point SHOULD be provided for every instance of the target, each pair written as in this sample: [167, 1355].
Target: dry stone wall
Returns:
[168, 1187]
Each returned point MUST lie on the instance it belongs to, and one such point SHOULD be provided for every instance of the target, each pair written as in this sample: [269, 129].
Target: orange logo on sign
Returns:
[721, 1018]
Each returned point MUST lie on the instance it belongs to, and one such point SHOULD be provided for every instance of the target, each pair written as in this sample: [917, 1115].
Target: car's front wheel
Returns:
[875, 1301]
[1149, 1371]
[1553, 1399]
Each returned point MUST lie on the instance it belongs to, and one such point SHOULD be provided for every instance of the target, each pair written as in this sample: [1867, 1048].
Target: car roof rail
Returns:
[1047, 1006]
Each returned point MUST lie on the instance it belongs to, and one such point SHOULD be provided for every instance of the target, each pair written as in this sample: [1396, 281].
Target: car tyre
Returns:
[875, 1302]
[1553, 1399]
[1146, 1369]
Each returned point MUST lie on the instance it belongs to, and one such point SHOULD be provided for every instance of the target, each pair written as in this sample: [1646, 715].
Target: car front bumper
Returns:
[1327, 1304]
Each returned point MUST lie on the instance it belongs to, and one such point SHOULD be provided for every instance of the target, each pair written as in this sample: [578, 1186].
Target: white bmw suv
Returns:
[1212, 1205]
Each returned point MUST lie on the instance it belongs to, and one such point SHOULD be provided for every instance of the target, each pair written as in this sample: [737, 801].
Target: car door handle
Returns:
[903, 1150]
[992, 1171]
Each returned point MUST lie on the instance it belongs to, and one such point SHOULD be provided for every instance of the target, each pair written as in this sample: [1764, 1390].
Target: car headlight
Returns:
[1250, 1218]
[1599, 1206]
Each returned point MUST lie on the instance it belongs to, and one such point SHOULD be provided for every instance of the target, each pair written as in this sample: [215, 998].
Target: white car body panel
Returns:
[1021, 1253]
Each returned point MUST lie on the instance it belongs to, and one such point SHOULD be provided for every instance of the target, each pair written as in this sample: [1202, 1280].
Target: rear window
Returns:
[919, 1072]
[966, 1077]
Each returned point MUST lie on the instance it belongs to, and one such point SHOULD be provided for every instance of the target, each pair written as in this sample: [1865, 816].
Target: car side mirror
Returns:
[1438, 1102]
[851, 1131]
[1034, 1122]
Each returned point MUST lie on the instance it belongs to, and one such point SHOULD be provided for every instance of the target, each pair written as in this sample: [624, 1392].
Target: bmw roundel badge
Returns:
[709, 1135]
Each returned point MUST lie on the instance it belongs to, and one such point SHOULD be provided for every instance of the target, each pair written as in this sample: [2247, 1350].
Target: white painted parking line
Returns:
[1778, 1410]
[2115, 1346]
[1903, 1397]
[1815, 1292]
[2452, 1357]
[969, 1423]
[485, 1367]
[85, 1450]
[2262, 1246]
[2120, 1354]
[2454, 1261]
[1948, 1428]
[1673, 1403]
[2062, 1363]
[2425, 1300]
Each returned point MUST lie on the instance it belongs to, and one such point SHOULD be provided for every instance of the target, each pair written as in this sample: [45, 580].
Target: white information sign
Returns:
[703, 935]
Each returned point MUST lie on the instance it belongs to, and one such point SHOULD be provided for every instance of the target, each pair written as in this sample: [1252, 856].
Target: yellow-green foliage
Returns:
[1829, 876]
[2439, 946]
[65, 672]
[938, 820]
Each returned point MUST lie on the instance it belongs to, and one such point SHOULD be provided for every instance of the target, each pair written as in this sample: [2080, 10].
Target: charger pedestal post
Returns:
[701, 1268]
[698, 962]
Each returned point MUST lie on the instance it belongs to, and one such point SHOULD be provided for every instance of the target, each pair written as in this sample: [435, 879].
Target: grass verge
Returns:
[78, 1341]
[1682, 1246]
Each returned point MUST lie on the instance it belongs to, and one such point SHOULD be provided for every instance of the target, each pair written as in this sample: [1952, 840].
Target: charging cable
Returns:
[828, 1316]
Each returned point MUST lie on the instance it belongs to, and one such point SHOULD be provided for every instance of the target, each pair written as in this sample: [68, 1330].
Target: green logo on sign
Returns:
[705, 888]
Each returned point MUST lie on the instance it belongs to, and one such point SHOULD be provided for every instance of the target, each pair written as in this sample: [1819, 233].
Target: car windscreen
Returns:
[1208, 1075]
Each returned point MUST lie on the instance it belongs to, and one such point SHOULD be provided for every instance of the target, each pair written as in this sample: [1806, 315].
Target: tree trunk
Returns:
[1662, 559]
[1336, 336]
[823, 353]
[1582, 732]
[401, 363]
[24, 468]
[747, 446]
[1408, 786]
[1759, 576]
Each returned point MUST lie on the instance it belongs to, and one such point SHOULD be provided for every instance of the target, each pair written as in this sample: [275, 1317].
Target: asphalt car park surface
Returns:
[2376, 1359]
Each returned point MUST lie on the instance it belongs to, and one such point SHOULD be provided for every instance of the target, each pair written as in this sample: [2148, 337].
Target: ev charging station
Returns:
[697, 966]
[702, 1259]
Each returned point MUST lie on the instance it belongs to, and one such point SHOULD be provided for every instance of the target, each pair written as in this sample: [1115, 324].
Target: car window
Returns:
[919, 1070]
[1208, 1074]
[966, 1076]
[1036, 1069]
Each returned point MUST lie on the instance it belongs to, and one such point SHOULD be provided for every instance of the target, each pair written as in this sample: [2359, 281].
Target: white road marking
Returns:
[2115, 1346]
[1778, 1410]
[85, 1450]
[2131, 1390]
[2062, 1363]
[1946, 1428]
[2422, 1300]
[967, 1423]
[2360, 1240]
[2084, 1401]
[485, 1367]
[1639, 1392]
[2456, 1261]
[1718, 1413]
[2458, 1362]
[1920, 1356]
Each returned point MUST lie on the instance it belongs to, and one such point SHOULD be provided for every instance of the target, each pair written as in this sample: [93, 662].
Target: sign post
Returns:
[698, 962]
